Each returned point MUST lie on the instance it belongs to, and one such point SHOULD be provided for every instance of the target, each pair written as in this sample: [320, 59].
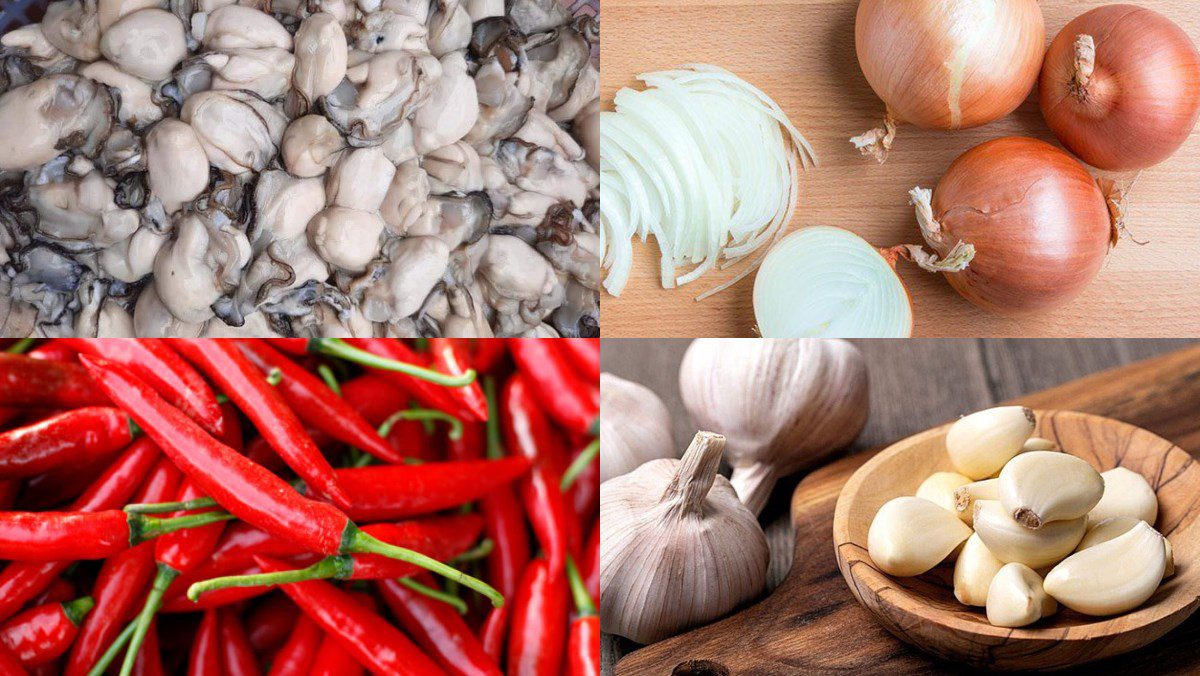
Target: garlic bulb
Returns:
[635, 427]
[782, 404]
[1042, 486]
[1012, 542]
[1126, 493]
[939, 488]
[973, 572]
[677, 548]
[981, 443]
[910, 535]
[1111, 577]
[1016, 597]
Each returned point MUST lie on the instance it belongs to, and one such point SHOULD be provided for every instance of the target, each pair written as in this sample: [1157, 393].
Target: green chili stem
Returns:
[359, 542]
[101, 667]
[456, 426]
[495, 450]
[143, 528]
[162, 581]
[21, 346]
[164, 507]
[336, 347]
[330, 379]
[436, 594]
[336, 567]
[78, 609]
[586, 457]
[583, 600]
[479, 551]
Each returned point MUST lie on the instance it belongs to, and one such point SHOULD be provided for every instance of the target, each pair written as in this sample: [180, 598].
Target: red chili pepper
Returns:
[440, 539]
[149, 660]
[8, 492]
[27, 382]
[60, 590]
[590, 566]
[470, 446]
[295, 658]
[41, 634]
[572, 403]
[205, 659]
[56, 536]
[539, 622]
[293, 346]
[331, 659]
[437, 628]
[77, 436]
[448, 359]
[428, 488]
[372, 641]
[583, 354]
[244, 385]
[269, 624]
[10, 664]
[237, 656]
[55, 349]
[432, 395]
[527, 433]
[583, 495]
[375, 397]
[122, 580]
[22, 581]
[250, 492]
[163, 369]
[583, 647]
[313, 401]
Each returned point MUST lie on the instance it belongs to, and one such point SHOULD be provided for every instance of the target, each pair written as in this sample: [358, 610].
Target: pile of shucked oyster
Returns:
[300, 167]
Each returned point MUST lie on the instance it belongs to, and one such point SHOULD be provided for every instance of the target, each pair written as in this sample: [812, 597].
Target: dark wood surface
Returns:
[914, 384]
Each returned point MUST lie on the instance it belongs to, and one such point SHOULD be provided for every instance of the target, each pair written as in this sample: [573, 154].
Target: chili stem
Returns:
[479, 551]
[359, 542]
[21, 346]
[162, 581]
[583, 600]
[436, 594]
[330, 379]
[164, 507]
[495, 450]
[580, 464]
[101, 666]
[335, 567]
[143, 528]
[336, 347]
[456, 426]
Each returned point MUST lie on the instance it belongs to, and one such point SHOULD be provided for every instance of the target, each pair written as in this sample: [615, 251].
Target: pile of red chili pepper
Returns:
[296, 506]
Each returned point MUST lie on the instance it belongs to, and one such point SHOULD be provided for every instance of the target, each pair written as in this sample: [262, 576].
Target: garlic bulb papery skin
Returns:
[1099, 533]
[783, 404]
[1011, 542]
[981, 444]
[1016, 597]
[677, 548]
[1111, 577]
[965, 497]
[939, 488]
[635, 427]
[911, 535]
[973, 572]
[1126, 493]
[1042, 486]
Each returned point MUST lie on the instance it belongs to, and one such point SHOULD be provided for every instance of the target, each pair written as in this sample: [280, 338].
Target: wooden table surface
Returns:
[801, 52]
[914, 384]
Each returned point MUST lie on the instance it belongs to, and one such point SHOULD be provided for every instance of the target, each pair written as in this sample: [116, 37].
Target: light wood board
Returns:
[801, 52]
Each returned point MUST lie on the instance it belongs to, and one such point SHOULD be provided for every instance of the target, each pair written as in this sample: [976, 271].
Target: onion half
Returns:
[1121, 87]
[946, 64]
[703, 162]
[828, 282]
[1017, 226]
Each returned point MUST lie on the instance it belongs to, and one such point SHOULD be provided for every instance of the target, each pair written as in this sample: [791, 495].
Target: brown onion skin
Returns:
[1039, 222]
[1144, 98]
[903, 47]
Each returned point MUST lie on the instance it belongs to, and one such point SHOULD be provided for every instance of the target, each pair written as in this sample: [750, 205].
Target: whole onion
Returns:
[635, 427]
[782, 405]
[1121, 87]
[1018, 226]
[946, 64]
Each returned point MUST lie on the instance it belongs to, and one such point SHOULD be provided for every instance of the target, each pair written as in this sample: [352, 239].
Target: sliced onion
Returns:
[828, 282]
[703, 162]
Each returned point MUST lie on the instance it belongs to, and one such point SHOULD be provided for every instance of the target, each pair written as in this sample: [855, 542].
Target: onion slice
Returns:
[828, 282]
[705, 163]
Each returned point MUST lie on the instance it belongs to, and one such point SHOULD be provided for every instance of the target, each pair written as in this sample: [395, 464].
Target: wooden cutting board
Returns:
[812, 624]
[801, 52]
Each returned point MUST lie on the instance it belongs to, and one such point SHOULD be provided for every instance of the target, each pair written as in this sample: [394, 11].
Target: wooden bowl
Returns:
[923, 611]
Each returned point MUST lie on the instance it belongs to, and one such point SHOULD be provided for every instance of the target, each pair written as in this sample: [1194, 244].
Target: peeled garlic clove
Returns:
[973, 572]
[1099, 533]
[939, 488]
[1016, 597]
[1039, 444]
[910, 535]
[1042, 486]
[1011, 542]
[1126, 493]
[981, 443]
[1111, 577]
[965, 497]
